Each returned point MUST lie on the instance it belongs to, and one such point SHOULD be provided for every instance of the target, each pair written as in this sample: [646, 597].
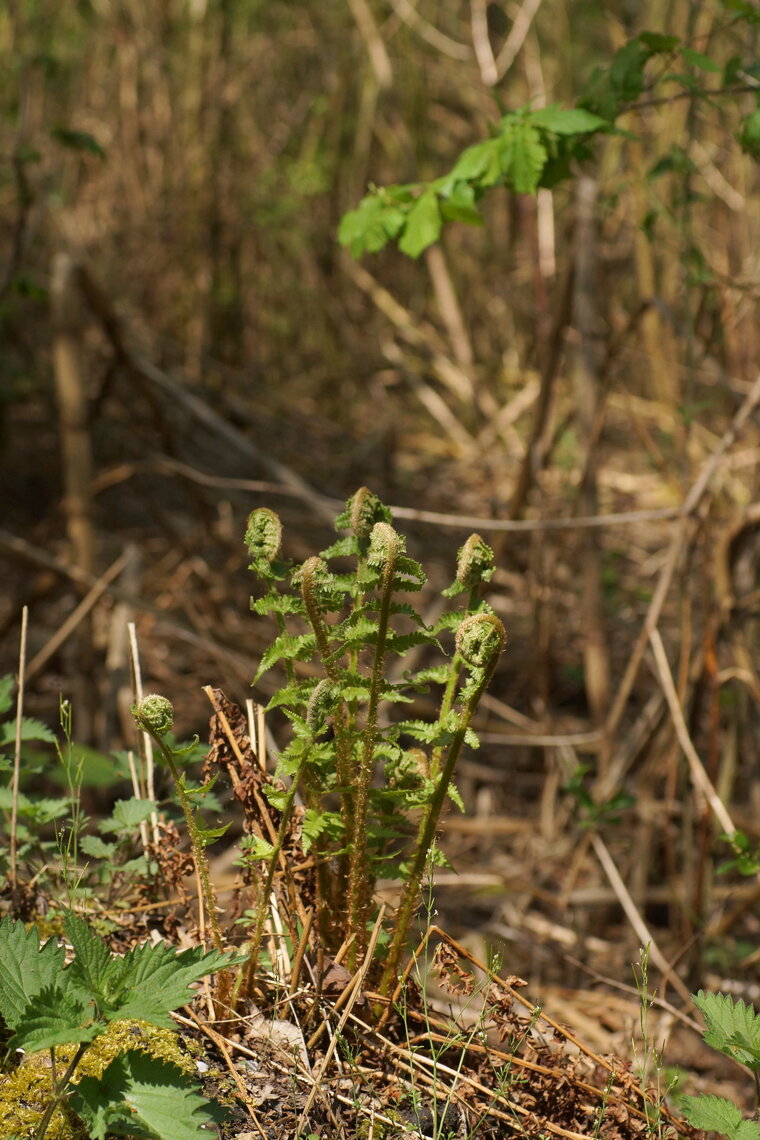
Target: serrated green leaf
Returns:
[95, 969]
[423, 225]
[287, 648]
[362, 229]
[39, 811]
[716, 1114]
[209, 835]
[728, 1023]
[138, 1095]
[55, 1018]
[155, 979]
[574, 121]
[258, 848]
[698, 59]
[435, 674]
[522, 154]
[128, 815]
[96, 848]
[25, 968]
[401, 643]
[459, 205]
[31, 729]
[342, 548]
[479, 163]
[277, 604]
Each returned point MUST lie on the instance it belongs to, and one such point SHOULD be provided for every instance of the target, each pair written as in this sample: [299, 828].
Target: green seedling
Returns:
[47, 1003]
[732, 1028]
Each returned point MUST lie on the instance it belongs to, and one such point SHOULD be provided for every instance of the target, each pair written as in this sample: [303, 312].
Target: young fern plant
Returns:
[388, 778]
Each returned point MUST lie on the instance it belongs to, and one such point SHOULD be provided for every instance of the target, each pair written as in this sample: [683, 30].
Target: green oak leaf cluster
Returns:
[531, 148]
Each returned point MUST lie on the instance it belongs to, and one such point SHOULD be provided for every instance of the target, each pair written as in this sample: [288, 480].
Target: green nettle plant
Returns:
[373, 787]
[48, 1004]
[732, 1028]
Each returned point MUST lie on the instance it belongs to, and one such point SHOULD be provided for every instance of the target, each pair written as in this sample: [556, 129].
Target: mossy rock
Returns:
[25, 1092]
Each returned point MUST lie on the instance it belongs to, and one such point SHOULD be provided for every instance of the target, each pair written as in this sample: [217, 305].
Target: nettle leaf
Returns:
[138, 1095]
[155, 980]
[127, 815]
[55, 1018]
[574, 121]
[96, 848]
[31, 729]
[716, 1114]
[93, 967]
[39, 811]
[423, 225]
[25, 968]
[522, 154]
[732, 1027]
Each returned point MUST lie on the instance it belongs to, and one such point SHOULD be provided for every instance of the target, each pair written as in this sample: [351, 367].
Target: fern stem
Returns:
[199, 855]
[358, 884]
[342, 728]
[253, 956]
[447, 699]
[429, 824]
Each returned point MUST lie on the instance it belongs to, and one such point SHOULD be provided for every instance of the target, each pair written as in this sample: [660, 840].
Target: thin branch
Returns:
[376, 49]
[699, 776]
[17, 755]
[637, 922]
[482, 44]
[517, 36]
[443, 43]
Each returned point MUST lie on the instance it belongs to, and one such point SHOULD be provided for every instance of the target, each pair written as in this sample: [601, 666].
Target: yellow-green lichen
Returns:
[25, 1092]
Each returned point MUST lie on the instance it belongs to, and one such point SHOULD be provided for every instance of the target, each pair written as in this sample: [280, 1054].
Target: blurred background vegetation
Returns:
[173, 177]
